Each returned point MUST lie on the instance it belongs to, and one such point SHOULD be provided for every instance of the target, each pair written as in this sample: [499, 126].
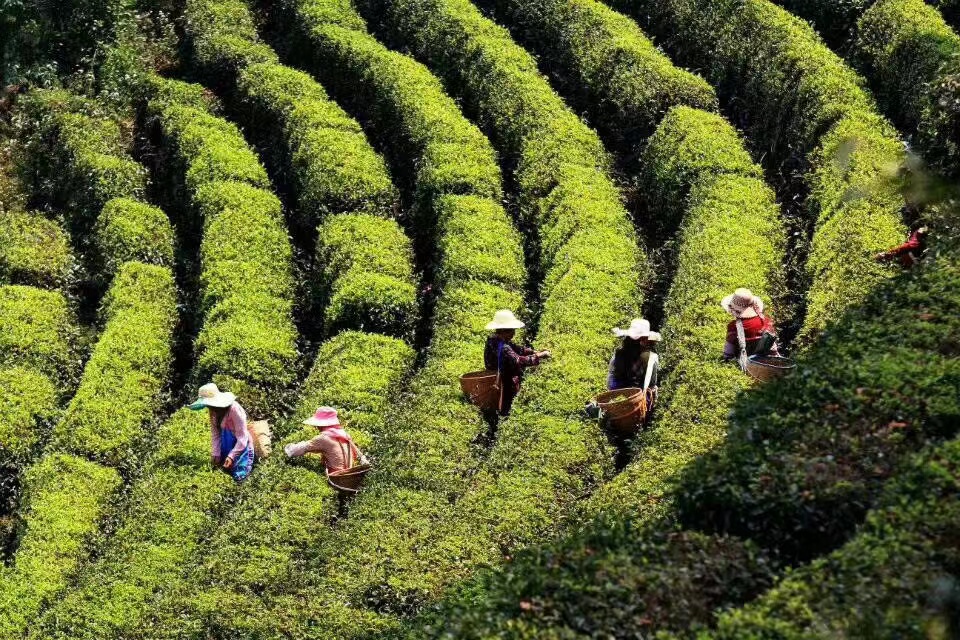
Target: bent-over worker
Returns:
[228, 431]
[510, 360]
[910, 252]
[333, 443]
[635, 363]
[757, 327]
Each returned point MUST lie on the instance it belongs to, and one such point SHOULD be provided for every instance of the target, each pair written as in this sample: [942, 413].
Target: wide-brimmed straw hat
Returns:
[742, 304]
[504, 319]
[211, 396]
[638, 328]
[323, 417]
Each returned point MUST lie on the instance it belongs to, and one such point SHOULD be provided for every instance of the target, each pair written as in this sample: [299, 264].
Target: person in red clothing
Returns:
[748, 309]
[908, 253]
[509, 359]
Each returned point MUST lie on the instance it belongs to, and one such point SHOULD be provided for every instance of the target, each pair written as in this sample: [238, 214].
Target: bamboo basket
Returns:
[625, 415]
[766, 368]
[348, 480]
[482, 389]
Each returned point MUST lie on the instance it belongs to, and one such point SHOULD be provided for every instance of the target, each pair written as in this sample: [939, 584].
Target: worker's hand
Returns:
[544, 355]
[883, 255]
[288, 450]
[228, 463]
[214, 462]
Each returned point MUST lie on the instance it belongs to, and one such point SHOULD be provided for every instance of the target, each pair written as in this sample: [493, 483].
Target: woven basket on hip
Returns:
[766, 368]
[626, 409]
[482, 388]
[348, 480]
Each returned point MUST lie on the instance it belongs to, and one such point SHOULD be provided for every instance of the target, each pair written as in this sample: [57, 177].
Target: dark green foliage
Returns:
[832, 18]
[334, 167]
[64, 499]
[129, 230]
[808, 456]
[910, 56]
[645, 586]
[223, 38]
[35, 251]
[38, 332]
[950, 10]
[76, 156]
[884, 583]
[120, 391]
[170, 508]
[808, 114]
[367, 274]
[626, 81]
[28, 403]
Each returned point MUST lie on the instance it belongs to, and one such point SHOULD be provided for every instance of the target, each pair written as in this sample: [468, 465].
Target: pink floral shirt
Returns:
[236, 422]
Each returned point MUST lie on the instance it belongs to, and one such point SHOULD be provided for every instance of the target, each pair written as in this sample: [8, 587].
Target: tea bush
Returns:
[881, 583]
[35, 252]
[64, 498]
[28, 406]
[605, 62]
[367, 272]
[701, 178]
[810, 115]
[127, 230]
[176, 500]
[38, 332]
[131, 361]
[76, 156]
[909, 55]
[247, 338]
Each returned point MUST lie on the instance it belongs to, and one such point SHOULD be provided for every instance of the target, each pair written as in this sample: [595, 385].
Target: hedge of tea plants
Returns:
[606, 63]
[36, 250]
[809, 115]
[71, 490]
[247, 339]
[700, 179]
[337, 172]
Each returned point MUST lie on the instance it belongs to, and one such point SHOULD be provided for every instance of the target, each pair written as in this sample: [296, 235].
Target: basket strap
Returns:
[742, 339]
[651, 362]
[500, 377]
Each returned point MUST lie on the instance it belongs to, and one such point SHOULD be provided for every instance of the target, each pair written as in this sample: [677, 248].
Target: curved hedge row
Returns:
[288, 506]
[39, 365]
[909, 54]
[699, 177]
[35, 251]
[67, 495]
[132, 361]
[623, 78]
[584, 213]
[803, 108]
[76, 157]
[881, 583]
[368, 271]
[334, 167]
[127, 230]
[906, 51]
[169, 508]
[247, 342]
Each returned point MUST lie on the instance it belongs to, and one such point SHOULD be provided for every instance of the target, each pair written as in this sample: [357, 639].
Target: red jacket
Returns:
[752, 329]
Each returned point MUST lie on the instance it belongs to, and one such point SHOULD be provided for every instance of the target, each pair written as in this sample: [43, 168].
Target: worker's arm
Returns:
[521, 357]
[214, 443]
[913, 244]
[298, 449]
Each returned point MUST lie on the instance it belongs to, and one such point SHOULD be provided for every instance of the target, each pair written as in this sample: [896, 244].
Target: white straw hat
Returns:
[323, 417]
[211, 396]
[504, 319]
[638, 328]
[742, 304]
